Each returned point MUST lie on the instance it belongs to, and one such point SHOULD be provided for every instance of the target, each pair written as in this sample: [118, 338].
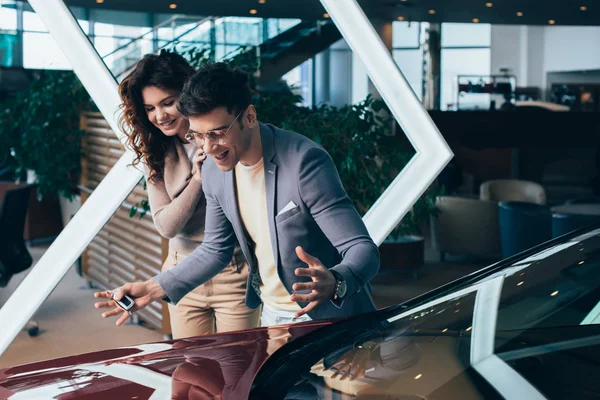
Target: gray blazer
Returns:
[324, 222]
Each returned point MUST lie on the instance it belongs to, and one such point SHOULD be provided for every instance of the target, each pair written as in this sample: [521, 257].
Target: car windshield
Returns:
[529, 330]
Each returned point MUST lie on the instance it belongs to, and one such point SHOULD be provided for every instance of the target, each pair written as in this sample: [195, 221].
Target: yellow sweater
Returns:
[252, 204]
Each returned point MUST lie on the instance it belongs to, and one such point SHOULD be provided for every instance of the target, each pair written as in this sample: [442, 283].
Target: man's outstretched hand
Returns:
[322, 286]
[143, 293]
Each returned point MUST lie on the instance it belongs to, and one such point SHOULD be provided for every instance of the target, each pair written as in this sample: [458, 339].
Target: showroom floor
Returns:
[69, 324]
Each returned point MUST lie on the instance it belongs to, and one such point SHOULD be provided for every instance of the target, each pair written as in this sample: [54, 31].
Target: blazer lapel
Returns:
[236, 220]
[270, 184]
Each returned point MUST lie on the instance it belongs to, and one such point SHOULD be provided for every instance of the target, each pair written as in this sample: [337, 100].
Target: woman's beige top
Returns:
[177, 202]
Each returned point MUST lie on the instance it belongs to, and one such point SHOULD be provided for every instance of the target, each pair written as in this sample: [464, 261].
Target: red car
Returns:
[525, 328]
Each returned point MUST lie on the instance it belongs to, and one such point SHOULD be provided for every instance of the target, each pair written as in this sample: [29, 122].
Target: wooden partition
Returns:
[128, 248]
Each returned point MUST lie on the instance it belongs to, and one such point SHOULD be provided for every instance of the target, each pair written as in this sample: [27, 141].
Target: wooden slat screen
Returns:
[126, 249]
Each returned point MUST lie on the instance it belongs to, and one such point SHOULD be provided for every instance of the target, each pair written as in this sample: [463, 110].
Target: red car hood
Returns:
[219, 366]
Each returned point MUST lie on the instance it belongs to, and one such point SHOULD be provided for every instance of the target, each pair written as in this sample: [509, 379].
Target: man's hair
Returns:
[215, 85]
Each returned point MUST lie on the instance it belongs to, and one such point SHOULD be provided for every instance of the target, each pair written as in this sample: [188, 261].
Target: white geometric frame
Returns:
[432, 151]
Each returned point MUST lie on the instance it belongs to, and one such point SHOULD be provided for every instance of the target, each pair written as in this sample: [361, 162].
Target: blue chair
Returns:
[523, 225]
[565, 223]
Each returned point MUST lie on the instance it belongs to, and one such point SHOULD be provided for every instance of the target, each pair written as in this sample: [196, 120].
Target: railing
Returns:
[222, 36]
[124, 57]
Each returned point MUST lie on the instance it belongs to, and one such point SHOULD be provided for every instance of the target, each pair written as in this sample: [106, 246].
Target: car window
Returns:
[548, 327]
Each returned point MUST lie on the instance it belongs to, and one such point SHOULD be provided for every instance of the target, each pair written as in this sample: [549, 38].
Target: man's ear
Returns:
[251, 117]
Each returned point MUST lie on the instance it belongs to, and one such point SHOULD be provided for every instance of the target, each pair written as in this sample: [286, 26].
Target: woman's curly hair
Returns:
[166, 71]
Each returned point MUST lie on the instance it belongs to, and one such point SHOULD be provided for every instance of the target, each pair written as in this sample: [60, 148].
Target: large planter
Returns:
[406, 254]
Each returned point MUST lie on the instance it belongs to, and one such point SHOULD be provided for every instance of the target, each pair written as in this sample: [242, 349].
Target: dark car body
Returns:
[525, 328]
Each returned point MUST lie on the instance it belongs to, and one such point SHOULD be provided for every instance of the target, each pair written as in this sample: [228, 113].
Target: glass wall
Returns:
[465, 51]
[407, 52]
[8, 32]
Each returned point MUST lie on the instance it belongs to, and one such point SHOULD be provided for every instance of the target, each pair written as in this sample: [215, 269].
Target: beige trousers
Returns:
[216, 306]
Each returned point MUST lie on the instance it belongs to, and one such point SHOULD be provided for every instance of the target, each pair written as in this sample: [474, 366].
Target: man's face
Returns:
[222, 136]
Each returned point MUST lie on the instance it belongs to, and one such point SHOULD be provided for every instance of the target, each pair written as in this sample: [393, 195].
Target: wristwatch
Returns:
[341, 287]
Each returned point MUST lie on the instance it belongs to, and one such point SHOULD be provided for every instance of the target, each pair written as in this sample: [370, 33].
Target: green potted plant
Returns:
[40, 137]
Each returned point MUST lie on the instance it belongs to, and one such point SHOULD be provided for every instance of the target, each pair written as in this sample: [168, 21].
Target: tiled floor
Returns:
[70, 324]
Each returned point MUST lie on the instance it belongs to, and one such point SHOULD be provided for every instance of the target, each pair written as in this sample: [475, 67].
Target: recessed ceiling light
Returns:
[262, 1]
[401, 18]
[552, 22]
[583, 8]
[253, 11]
[418, 376]
[489, 4]
[99, 1]
[476, 20]
[325, 15]
[173, 6]
[431, 12]
[519, 14]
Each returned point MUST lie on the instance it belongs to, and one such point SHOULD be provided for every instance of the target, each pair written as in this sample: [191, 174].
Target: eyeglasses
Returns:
[217, 136]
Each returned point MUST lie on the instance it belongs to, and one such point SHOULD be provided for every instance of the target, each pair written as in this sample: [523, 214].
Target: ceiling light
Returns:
[468, 329]
[475, 20]
[325, 15]
[262, 1]
[99, 1]
[418, 376]
[581, 262]
[445, 330]
[172, 6]
[554, 293]
[520, 283]
[431, 12]
[489, 4]
[253, 11]
[519, 14]
[401, 18]
[552, 22]
[583, 8]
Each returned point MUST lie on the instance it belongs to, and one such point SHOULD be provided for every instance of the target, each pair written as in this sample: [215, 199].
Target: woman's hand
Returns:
[197, 168]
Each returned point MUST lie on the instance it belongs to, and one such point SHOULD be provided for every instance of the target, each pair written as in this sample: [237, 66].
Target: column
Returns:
[432, 55]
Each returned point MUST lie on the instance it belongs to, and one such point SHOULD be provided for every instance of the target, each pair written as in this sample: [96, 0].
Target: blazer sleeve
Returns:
[210, 258]
[321, 190]
[171, 216]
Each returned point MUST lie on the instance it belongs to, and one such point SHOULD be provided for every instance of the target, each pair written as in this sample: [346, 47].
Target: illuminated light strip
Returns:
[506, 380]
[432, 151]
[485, 313]
[161, 383]
[47, 273]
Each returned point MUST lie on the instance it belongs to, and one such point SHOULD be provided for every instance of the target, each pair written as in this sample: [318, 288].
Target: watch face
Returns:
[342, 288]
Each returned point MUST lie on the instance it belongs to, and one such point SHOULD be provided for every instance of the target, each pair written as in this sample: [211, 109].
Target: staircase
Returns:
[270, 53]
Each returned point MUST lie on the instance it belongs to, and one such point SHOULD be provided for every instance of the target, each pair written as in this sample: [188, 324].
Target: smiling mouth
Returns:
[221, 156]
[168, 124]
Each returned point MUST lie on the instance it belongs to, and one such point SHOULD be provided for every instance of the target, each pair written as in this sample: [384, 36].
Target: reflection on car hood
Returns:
[186, 368]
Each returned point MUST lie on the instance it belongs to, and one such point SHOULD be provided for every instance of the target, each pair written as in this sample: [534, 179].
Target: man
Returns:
[280, 195]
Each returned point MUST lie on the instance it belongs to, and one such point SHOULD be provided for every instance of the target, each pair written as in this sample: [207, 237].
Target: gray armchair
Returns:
[466, 226]
[512, 190]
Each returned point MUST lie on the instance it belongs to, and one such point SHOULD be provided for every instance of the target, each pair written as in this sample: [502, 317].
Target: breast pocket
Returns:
[287, 214]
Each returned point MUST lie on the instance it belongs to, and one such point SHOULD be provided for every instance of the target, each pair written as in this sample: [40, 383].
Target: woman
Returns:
[157, 134]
